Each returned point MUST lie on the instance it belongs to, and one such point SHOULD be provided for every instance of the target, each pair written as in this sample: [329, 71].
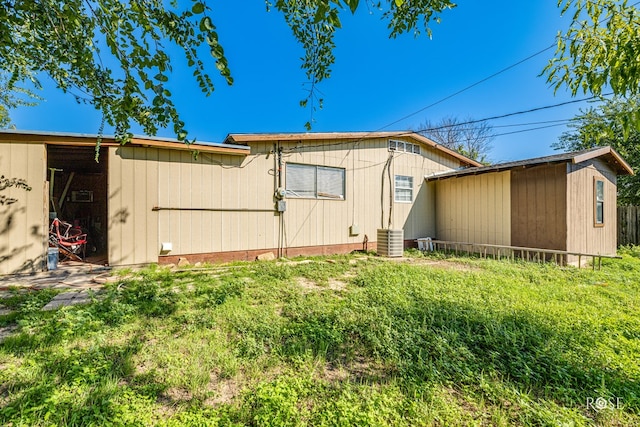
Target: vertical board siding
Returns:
[474, 209]
[133, 192]
[221, 203]
[539, 207]
[628, 225]
[583, 236]
[197, 190]
[311, 222]
[23, 224]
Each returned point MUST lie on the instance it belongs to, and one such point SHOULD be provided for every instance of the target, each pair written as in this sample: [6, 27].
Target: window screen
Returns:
[403, 188]
[315, 182]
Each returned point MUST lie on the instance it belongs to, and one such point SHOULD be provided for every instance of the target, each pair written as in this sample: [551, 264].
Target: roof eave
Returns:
[249, 138]
[623, 166]
[86, 140]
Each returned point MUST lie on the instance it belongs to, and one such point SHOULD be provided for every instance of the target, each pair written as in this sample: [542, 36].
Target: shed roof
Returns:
[607, 154]
[248, 138]
[88, 140]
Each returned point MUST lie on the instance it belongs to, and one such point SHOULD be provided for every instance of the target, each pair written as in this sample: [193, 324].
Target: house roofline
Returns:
[248, 138]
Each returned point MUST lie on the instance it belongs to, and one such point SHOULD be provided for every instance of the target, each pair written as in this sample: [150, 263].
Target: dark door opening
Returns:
[78, 195]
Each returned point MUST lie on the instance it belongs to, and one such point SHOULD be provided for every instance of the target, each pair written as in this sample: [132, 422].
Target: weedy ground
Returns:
[340, 341]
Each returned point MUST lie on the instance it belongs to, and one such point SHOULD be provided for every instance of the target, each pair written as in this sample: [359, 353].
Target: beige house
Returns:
[564, 202]
[155, 200]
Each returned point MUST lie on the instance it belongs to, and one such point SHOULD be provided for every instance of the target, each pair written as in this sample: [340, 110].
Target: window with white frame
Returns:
[403, 147]
[314, 182]
[403, 189]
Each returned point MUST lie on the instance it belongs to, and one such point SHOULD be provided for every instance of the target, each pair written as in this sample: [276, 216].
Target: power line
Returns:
[468, 87]
[487, 78]
[424, 130]
[502, 116]
[527, 130]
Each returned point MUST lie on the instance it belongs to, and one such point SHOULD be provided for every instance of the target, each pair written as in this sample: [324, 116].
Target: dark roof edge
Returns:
[58, 138]
[576, 157]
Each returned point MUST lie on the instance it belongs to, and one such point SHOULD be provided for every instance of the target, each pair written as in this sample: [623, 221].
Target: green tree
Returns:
[602, 126]
[113, 54]
[601, 49]
[467, 137]
[11, 98]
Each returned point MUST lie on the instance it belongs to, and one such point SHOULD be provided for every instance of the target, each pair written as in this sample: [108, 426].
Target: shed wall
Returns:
[583, 235]
[132, 194]
[23, 224]
[539, 207]
[474, 209]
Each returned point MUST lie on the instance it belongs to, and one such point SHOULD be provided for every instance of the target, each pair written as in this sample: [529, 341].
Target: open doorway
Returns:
[78, 197]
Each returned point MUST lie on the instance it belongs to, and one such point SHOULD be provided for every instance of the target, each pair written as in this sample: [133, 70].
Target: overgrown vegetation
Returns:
[341, 341]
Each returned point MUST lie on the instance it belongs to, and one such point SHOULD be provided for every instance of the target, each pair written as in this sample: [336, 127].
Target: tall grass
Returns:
[434, 341]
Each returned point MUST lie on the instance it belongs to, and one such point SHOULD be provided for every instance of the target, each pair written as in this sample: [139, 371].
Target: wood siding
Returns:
[215, 203]
[132, 194]
[369, 194]
[218, 203]
[583, 236]
[474, 209]
[628, 225]
[539, 207]
[23, 224]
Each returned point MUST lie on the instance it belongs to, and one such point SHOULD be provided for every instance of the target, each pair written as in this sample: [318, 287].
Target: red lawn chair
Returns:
[70, 241]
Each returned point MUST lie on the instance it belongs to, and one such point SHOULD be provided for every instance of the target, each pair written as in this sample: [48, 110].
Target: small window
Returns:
[403, 189]
[314, 182]
[598, 211]
[405, 147]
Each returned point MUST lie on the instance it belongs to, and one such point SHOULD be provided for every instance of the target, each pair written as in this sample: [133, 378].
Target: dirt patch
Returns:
[311, 286]
[446, 265]
[225, 391]
[307, 284]
[358, 369]
[337, 285]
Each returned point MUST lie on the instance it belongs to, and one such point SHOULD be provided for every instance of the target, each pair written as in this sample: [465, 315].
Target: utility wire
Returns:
[502, 116]
[486, 78]
[468, 87]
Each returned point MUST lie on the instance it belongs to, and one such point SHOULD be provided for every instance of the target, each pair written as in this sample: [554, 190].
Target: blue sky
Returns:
[376, 81]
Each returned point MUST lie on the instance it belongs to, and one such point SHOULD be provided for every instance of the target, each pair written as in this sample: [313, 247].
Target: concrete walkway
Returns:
[75, 276]
[74, 280]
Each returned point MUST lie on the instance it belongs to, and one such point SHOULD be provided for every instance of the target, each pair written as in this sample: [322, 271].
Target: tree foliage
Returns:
[12, 98]
[600, 50]
[467, 137]
[114, 54]
[602, 126]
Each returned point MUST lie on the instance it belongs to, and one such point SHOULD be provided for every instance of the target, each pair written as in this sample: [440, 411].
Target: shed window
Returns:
[314, 182]
[598, 197]
[403, 189]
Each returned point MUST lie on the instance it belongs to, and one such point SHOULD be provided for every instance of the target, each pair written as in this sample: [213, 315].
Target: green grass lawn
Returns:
[340, 341]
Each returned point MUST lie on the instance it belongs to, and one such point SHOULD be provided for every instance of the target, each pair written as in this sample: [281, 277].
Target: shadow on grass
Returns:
[72, 386]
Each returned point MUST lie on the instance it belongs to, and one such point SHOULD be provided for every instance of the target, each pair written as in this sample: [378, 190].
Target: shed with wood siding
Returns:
[563, 202]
